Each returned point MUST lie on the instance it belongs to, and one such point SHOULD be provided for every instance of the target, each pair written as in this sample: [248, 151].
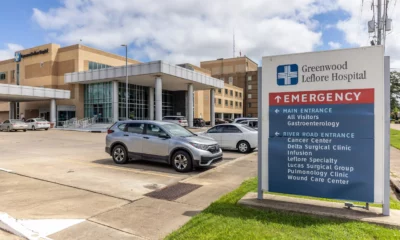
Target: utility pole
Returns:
[379, 27]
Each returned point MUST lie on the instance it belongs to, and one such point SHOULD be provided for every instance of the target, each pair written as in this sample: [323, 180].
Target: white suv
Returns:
[180, 120]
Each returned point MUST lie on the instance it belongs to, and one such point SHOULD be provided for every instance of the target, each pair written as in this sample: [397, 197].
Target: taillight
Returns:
[110, 131]
[180, 121]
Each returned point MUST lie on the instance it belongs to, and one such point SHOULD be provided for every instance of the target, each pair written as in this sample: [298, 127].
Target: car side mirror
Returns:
[163, 135]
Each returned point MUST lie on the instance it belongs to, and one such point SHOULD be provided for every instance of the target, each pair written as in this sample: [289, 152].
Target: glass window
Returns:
[231, 103]
[91, 65]
[249, 78]
[236, 104]
[253, 124]
[240, 104]
[231, 92]
[135, 128]
[219, 90]
[249, 95]
[252, 129]
[236, 94]
[226, 102]
[219, 101]
[178, 131]
[226, 91]
[6, 121]
[240, 95]
[230, 79]
[249, 104]
[230, 129]
[216, 129]
[2, 76]
[153, 130]
[249, 87]
[122, 127]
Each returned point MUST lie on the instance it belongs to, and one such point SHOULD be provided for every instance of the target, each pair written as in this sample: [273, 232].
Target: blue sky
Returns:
[177, 32]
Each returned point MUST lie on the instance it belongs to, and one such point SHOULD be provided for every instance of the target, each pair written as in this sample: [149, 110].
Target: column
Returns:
[115, 101]
[151, 103]
[222, 116]
[11, 113]
[212, 107]
[53, 118]
[158, 91]
[190, 104]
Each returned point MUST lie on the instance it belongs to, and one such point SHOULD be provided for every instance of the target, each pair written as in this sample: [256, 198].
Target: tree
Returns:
[394, 90]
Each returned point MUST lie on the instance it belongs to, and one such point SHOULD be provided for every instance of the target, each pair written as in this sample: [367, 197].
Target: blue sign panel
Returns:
[322, 148]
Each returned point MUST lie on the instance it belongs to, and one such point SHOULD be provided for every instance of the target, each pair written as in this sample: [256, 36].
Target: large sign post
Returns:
[324, 118]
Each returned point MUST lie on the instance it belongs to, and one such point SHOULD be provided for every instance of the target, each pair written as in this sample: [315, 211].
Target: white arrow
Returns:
[277, 111]
[276, 134]
[278, 98]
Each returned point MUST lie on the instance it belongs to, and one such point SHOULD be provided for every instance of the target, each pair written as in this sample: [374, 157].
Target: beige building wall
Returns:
[241, 72]
[47, 70]
[228, 101]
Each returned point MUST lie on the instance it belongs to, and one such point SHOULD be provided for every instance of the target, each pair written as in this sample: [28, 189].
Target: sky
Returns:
[190, 31]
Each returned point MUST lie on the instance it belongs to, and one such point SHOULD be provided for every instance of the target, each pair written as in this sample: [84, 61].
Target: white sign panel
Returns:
[323, 124]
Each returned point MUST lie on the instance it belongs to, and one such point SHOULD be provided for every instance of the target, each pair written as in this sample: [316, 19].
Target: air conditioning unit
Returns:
[371, 26]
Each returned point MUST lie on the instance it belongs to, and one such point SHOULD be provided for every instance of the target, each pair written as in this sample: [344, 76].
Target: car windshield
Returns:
[16, 121]
[177, 131]
[249, 128]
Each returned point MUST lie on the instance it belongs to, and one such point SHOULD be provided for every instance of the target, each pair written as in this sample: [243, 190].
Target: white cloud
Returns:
[8, 52]
[334, 45]
[187, 30]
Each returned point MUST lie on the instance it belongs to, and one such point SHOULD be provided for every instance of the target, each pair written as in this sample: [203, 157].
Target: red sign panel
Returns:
[348, 96]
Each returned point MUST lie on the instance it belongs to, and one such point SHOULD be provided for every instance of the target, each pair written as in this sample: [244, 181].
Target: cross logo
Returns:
[287, 74]
[17, 57]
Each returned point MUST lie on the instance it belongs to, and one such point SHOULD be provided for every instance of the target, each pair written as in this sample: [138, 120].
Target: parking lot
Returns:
[78, 159]
[66, 176]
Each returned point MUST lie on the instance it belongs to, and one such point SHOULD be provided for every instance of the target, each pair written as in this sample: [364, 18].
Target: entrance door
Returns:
[98, 111]
[64, 116]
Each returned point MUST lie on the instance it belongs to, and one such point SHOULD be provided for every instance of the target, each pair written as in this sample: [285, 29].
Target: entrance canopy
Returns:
[17, 93]
[174, 78]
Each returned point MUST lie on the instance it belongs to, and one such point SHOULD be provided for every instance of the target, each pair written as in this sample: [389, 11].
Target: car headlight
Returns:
[199, 146]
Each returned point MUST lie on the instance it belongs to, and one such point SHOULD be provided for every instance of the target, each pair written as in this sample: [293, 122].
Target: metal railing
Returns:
[86, 122]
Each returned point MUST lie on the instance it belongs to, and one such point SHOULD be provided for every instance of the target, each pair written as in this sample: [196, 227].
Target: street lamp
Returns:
[126, 76]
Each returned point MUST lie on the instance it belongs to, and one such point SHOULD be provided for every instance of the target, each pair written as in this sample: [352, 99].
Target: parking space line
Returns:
[5, 170]
[125, 169]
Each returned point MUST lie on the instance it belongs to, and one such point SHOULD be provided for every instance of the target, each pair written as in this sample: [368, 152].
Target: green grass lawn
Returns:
[395, 138]
[224, 219]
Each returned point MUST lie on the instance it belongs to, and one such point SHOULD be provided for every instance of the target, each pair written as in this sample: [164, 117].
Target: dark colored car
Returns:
[220, 121]
[199, 122]
[228, 120]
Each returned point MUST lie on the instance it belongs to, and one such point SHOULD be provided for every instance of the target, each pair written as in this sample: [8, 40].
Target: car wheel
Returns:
[182, 162]
[119, 154]
[243, 147]
[25, 130]
[46, 129]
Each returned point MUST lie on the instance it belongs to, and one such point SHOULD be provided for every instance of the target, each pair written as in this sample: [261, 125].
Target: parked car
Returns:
[228, 120]
[239, 120]
[199, 122]
[180, 120]
[161, 142]
[250, 123]
[13, 125]
[234, 136]
[220, 121]
[38, 123]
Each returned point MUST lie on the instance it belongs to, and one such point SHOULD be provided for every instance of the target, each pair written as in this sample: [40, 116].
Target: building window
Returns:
[230, 79]
[236, 94]
[219, 101]
[226, 102]
[236, 104]
[240, 104]
[95, 66]
[249, 95]
[249, 87]
[231, 103]
[2, 76]
[226, 91]
[240, 95]
[249, 104]
[219, 91]
[249, 78]
[231, 92]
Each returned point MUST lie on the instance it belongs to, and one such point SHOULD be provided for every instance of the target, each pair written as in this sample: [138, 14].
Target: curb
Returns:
[395, 183]
[11, 225]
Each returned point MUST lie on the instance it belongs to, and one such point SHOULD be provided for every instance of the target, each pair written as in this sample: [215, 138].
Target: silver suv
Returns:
[161, 142]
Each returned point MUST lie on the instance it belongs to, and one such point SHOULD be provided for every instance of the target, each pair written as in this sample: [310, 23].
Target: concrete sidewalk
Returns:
[150, 218]
[395, 162]
[108, 217]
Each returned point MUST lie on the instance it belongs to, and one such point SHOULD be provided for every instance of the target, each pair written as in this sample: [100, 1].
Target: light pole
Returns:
[126, 77]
